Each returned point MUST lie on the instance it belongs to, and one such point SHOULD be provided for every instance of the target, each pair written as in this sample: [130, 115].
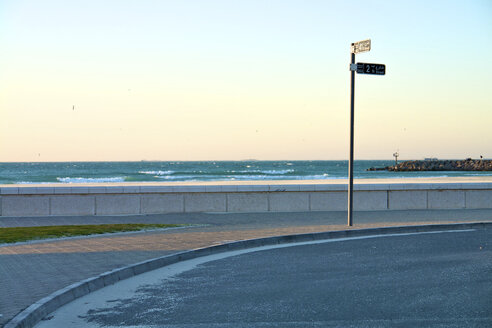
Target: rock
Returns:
[436, 165]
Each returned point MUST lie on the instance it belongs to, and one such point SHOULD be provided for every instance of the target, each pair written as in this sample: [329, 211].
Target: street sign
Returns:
[368, 68]
[361, 68]
[361, 46]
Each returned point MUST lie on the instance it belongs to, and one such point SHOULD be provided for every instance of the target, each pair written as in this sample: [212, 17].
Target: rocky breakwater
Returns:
[439, 165]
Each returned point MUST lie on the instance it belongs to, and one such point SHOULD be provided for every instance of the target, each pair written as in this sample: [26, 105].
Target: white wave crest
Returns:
[180, 177]
[271, 172]
[276, 171]
[156, 172]
[90, 180]
[31, 182]
[318, 177]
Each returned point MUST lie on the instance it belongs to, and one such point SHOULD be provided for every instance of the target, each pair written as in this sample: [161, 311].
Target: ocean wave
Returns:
[233, 177]
[176, 177]
[478, 174]
[157, 172]
[318, 177]
[364, 176]
[273, 172]
[91, 180]
[28, 182]
[269, 172]
[283, 177]
[205, 174]
[257, 177]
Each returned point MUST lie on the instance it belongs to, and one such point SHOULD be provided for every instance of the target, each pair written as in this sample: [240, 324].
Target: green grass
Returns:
[18, 234]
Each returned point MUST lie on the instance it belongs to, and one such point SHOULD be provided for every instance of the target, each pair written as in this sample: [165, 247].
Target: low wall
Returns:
[267, 196]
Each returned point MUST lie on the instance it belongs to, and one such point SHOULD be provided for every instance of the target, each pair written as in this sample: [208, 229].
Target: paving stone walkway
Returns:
[31, 271]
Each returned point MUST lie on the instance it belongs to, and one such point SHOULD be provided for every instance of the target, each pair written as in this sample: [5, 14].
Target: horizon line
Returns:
[234, 160]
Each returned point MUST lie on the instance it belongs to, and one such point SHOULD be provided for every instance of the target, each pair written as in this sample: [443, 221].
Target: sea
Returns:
[145, 171]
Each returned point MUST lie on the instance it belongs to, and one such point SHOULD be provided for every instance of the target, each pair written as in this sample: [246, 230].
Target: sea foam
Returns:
[91, 180]
[270, 172]
[156, 172]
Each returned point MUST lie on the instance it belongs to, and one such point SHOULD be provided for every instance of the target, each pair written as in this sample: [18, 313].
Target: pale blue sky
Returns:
[242, 79]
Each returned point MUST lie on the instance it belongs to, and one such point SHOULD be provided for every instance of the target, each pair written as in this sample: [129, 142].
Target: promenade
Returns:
[31, 271]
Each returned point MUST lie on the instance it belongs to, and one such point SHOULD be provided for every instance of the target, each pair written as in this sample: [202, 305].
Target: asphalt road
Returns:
[31, 271]
[417, 280]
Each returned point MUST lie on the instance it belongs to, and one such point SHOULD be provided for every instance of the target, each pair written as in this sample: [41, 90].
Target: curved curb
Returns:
[37, 311]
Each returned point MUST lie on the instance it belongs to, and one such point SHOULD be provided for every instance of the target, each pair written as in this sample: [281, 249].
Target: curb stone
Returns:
[36, 312]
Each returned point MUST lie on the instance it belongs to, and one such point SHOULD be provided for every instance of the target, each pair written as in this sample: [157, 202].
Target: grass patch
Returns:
[18, 234]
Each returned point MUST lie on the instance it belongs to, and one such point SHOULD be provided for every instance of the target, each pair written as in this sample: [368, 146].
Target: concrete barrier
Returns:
[265, 196]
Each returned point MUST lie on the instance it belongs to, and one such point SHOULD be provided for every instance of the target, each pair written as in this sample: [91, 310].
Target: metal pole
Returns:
[351, 158]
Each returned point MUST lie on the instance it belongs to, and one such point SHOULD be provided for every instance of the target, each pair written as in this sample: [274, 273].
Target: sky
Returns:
[122, 80]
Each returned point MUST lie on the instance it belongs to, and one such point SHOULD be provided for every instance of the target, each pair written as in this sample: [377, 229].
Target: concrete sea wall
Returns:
[249, 196]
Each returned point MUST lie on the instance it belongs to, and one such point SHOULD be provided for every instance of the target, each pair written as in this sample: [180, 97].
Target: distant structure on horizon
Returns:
[395, 155]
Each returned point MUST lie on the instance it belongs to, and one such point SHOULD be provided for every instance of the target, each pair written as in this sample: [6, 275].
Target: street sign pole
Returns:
[360, 68]
[351, 157]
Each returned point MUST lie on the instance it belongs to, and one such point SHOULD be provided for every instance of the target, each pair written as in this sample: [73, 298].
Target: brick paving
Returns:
[31, 271]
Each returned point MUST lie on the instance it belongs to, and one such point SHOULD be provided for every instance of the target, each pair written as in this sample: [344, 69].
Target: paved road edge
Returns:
[37, 311]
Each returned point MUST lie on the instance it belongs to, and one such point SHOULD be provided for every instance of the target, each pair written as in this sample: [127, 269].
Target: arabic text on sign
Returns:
[361, 46]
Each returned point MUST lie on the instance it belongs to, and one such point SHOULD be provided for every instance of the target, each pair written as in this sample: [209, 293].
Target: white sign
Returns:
[361, 46]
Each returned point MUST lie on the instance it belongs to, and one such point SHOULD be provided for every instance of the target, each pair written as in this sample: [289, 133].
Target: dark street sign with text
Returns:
[369, 68]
